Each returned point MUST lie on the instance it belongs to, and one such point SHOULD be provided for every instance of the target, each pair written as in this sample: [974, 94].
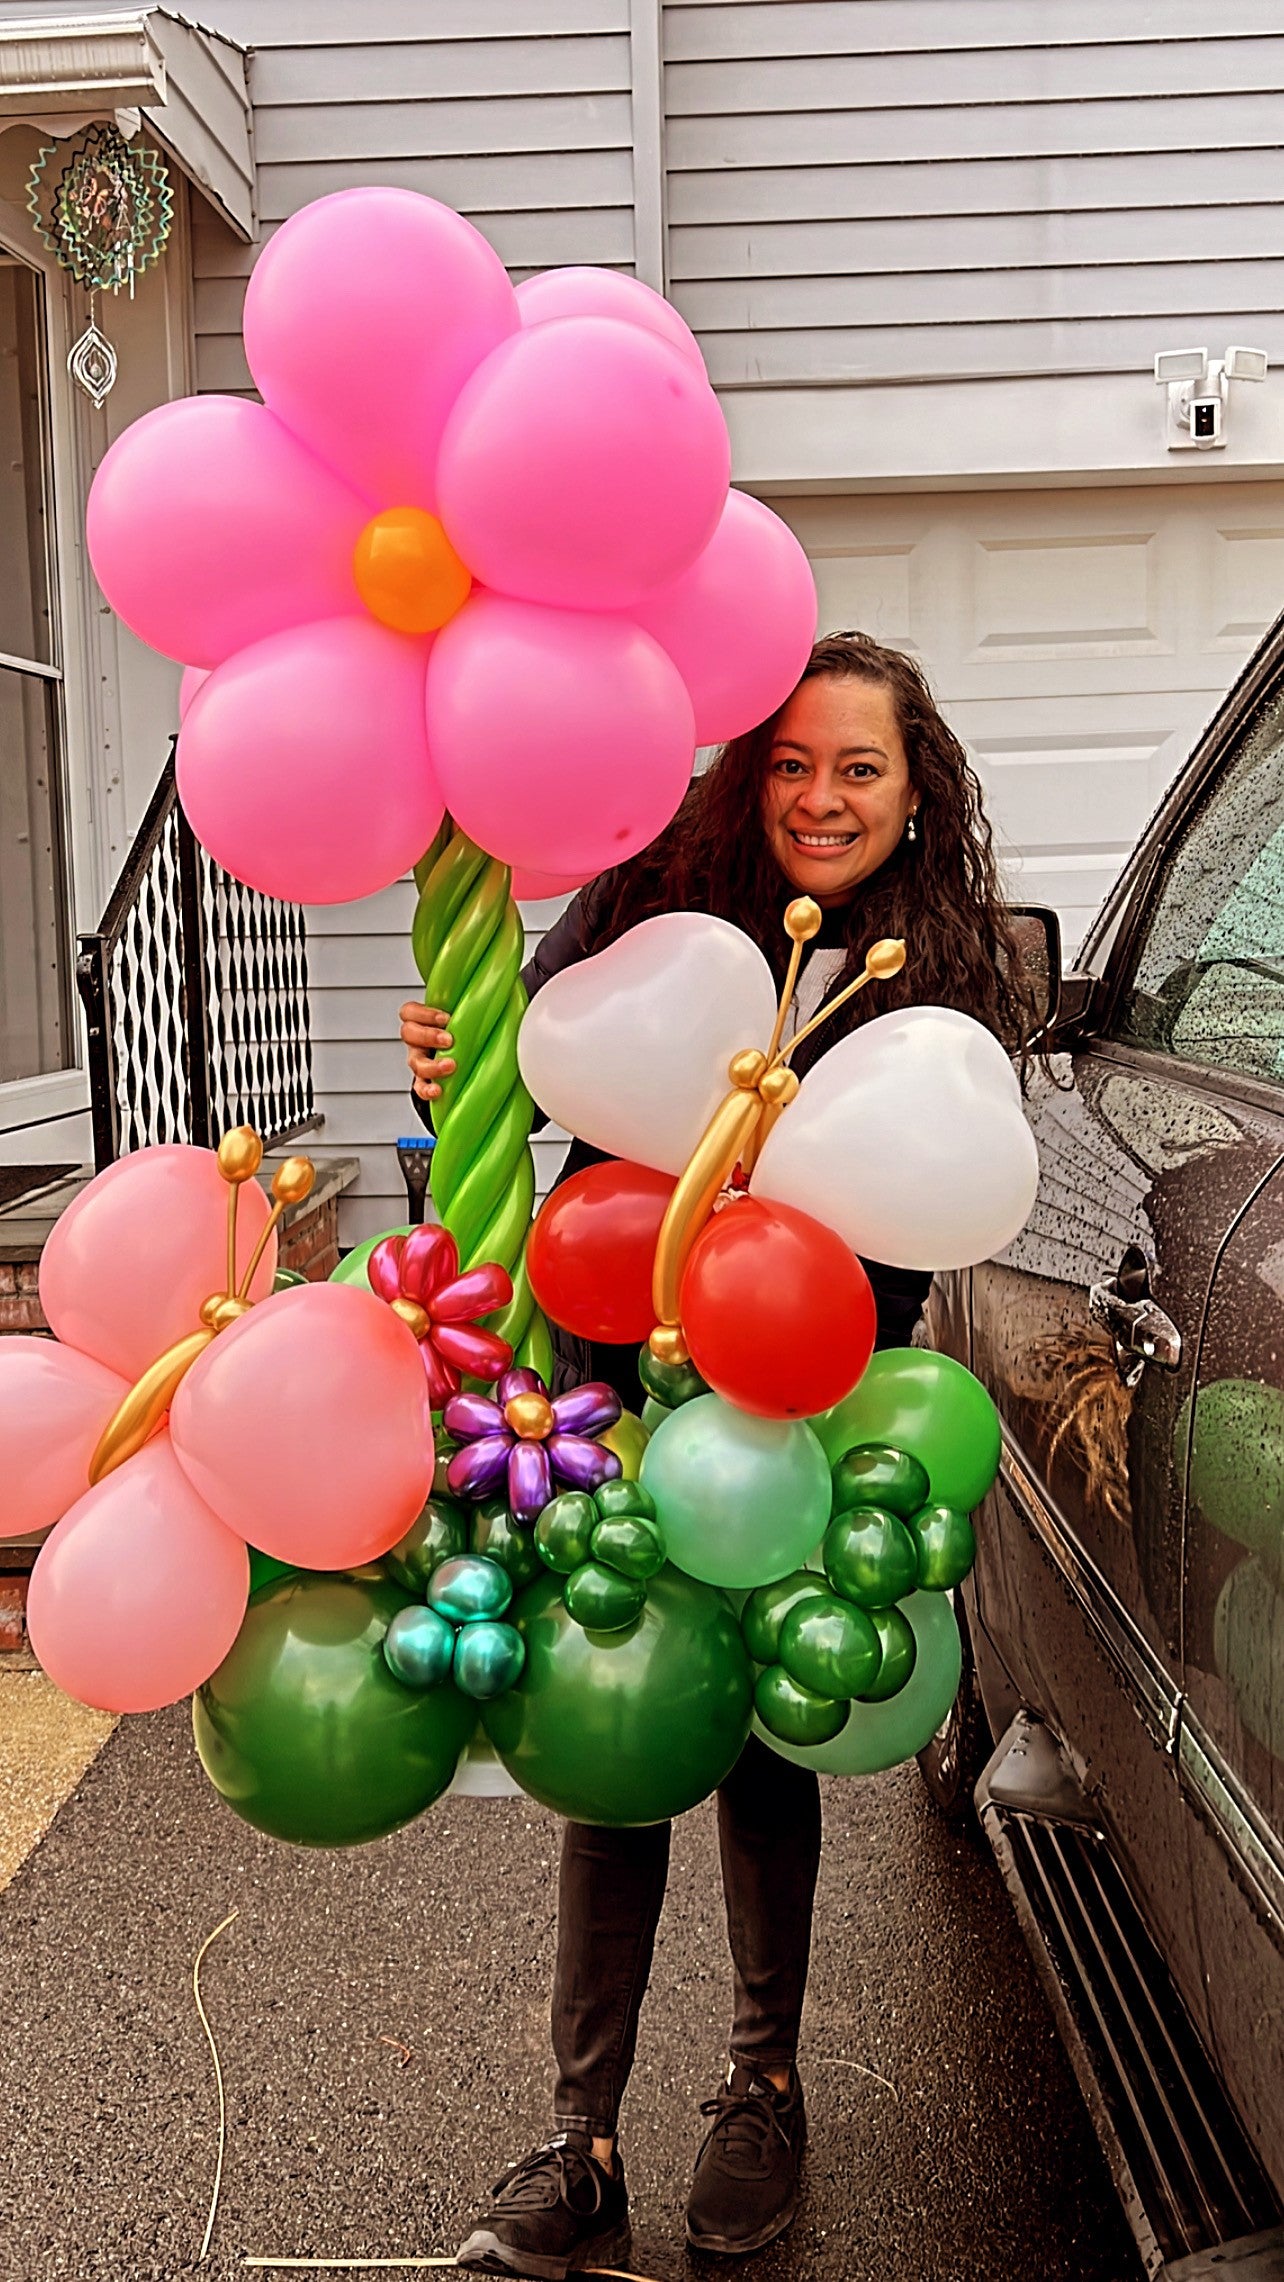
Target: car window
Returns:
[1208, 985]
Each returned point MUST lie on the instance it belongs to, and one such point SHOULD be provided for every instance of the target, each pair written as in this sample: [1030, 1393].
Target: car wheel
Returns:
[951, 1763]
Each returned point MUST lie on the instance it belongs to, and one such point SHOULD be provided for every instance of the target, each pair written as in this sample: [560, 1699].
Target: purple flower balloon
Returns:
[532, 1444]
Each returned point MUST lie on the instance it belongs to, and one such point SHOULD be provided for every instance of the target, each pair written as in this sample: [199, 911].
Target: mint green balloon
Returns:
[911, 1399]
[352, 1270]
[882, 1735]
[740, 1500]
[1237, 1461]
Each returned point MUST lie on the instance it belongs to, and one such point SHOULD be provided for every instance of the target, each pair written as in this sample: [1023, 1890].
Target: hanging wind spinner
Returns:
[105, 215]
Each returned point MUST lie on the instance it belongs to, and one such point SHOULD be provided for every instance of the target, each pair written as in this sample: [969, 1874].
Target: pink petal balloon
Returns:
[307, 1428]
[126, 1266]
[740, 623]
[606, 293]
[303, 764]
[139, 1593]
[194, 678]
[558, 738]
[210, 525]
[585, 463]
[365, 315]
[541, 887]
[54, 1404]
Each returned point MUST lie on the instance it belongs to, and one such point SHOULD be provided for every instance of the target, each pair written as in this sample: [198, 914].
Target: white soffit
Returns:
[188, 82]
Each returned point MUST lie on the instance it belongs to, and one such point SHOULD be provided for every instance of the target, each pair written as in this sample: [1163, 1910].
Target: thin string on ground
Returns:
[218, 2079]
[367, 2265]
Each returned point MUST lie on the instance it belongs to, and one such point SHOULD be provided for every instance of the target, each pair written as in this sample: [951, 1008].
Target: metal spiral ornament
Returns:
[469, 946]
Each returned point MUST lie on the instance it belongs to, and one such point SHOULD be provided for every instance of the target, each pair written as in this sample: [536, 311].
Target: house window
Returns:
[37, 1035]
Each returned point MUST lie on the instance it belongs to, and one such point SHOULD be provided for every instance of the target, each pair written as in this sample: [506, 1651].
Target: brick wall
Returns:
[20, 1308]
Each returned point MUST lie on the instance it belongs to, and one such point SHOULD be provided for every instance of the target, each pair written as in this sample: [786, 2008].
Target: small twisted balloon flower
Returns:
[419, 1277]
[529, 1442]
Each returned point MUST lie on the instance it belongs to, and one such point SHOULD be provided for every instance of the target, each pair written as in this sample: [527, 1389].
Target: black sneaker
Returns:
[745, 2190]
[552, 2214]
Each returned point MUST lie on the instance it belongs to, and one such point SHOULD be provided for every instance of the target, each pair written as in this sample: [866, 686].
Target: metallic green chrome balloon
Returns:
[264, 1567]
[669, 1383]
[304, 1730]
[488, 1659]
[912, 1399]
[945, 1543]
[873, 1475]
[437, 1534]
[500, 1538]
[625, 1727]
[765, 1611]
[601, 1599]
[900, 1650]
[655, 1413]
[882, 1735]
[830, 1647]
[612, 1498]
[796, 1714]
[628, 1543]
[564, 1531]
[470, 1588]
[869, 1557]
[419, 1646]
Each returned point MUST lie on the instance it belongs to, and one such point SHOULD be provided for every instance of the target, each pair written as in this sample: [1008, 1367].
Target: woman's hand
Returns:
[425, 1030]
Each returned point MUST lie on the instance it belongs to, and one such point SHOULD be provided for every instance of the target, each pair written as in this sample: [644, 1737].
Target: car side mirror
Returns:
[1037, 931]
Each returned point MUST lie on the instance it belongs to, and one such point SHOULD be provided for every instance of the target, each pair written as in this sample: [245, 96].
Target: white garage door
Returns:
[1076, 640]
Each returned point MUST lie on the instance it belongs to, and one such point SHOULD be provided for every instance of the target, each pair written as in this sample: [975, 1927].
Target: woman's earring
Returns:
[911, 828]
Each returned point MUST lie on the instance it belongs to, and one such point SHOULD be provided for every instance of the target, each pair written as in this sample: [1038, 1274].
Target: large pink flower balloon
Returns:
[305, 1429]
[441, 464]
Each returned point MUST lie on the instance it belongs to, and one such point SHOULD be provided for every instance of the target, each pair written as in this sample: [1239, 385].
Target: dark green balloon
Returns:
[564, 1531]
[628, 1543]
[488, 1659]
[470, 1588]
[764, 1612]
[496, 1535]
[304, 1730]
[615, 1498]
[287, 1280]
[830, 1647]
[419, 1647]
[900, 1653]
[794, 1713]
[437, 1534]
[445, 1452]
[264, 1568]
[670, 1383]
[875, 1475]
[869, 1557]
[946, 1546]
[601, 1599]
[625, 1727]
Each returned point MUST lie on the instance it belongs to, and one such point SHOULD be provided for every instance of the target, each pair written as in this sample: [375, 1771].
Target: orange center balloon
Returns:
[408, 574]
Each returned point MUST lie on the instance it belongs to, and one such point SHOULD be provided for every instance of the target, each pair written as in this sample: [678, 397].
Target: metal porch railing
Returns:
[196, 992]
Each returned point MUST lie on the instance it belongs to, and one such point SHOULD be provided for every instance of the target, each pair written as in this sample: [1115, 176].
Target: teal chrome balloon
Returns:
[304, 1730]
[896, 1638]
[469, 1589]
[625, 1727]
[869, 1557]
[911, 1399]
[873, 1475]
[945, 1544]
[882, 1735]
[419, 1646]
[793, 1713]
[763, 1614]
[830, 1647]
[740, 1499]
[437, 1534]
[488, 1659]
[564, 1531]
[601, 1599]
[628, 1543]
[496, 1535]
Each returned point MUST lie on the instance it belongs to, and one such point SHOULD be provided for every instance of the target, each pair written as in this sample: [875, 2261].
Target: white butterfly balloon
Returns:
[907, 1137]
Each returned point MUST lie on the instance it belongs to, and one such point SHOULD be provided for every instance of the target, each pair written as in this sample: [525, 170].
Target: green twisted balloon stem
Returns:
[468, 946]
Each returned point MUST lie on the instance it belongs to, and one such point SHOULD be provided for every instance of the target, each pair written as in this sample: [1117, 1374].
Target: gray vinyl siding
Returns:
[890, 190]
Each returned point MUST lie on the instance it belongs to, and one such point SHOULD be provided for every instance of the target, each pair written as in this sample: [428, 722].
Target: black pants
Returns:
[612, 1886]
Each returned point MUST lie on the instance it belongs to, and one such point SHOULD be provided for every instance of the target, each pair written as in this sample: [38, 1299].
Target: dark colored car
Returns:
[1124, 1700]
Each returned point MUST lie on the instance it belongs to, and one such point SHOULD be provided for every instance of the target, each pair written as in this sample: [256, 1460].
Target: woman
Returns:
[857, 794]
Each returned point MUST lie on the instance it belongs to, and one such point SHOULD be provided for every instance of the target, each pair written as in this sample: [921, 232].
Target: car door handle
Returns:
[1141, 1332]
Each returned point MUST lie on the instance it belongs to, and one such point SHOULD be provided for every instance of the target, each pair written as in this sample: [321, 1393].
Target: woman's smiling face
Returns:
[838, 793]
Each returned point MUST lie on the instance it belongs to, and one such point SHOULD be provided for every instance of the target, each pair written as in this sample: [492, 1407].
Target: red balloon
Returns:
[591, 1250]
[776, 1310]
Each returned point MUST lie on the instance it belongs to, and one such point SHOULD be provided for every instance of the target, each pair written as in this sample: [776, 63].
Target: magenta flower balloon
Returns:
[525, 1446]
[441, 1307]
[477, 507]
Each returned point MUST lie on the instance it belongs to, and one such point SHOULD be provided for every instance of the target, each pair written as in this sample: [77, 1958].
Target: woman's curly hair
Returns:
[940, 892]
